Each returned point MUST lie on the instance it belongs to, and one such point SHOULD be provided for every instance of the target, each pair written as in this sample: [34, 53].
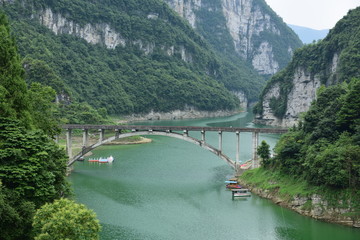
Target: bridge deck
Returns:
[174, 128]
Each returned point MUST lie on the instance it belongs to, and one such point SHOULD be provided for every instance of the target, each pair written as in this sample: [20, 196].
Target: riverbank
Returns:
[188, 113]
[330, 205]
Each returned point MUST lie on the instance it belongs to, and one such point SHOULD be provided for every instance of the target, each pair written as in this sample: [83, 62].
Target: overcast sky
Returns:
[316, 14]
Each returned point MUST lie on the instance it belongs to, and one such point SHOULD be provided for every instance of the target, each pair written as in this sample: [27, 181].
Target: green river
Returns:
[172, 189]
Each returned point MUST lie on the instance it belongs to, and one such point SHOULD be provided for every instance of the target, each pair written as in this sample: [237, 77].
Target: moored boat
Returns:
[102, 160]
[232, 183]
[240, 193]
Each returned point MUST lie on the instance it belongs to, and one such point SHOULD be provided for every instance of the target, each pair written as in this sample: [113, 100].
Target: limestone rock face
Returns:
[244, 102]
[299, 99]
[245, 21]
[186, 9]
[103, 34]
[94, 34]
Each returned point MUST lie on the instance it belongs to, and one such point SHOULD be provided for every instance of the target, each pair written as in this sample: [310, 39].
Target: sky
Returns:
[315, 14]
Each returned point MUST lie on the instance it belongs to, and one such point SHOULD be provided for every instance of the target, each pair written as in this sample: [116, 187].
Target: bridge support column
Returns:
[220, 141]
[68, 143]
[117, 133]
[255, 142]
[102, 135]
[237, 147]
[85, 138]
[203, 135]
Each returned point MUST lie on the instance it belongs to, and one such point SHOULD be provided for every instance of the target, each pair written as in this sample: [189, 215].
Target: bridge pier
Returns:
[102, 135]
[203, 135]
[69, 142]
[220, 141]
[85, 138]
[255, 143]
[117, 133]
[237, 159]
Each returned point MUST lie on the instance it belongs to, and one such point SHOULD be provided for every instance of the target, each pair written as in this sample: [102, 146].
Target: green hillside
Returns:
[127, 79]
[317, 59]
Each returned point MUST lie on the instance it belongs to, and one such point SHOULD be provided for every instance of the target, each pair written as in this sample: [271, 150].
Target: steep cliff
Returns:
[247, 27]
[332, 60]
[129, 56]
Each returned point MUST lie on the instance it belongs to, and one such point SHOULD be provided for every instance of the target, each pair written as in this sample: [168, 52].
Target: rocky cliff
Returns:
[257, 34]
[330, 61]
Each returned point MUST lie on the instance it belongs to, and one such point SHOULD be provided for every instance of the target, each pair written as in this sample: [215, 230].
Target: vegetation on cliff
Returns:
[128, 79]
[317, 59]
[212, 25]
[322, 153]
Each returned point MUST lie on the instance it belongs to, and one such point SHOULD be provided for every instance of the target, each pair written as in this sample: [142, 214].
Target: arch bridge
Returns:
[179, 132]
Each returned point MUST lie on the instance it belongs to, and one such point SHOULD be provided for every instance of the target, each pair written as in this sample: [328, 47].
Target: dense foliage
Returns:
[318, 60]
[65, 219]
[128, 79]
[32, 166]
[325, 148]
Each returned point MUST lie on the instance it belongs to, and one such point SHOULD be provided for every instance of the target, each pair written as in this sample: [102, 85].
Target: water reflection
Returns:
[172, 189]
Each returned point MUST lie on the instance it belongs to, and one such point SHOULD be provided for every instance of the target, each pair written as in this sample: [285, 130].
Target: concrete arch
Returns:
[184, 137]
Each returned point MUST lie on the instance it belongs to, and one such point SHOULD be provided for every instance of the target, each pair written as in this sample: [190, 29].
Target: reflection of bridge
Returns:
[123, 131]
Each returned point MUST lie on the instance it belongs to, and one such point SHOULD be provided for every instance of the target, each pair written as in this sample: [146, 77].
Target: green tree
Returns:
[31, 164]
[44, 108]
[13, 92]
[15, 215]
[348, 117]
[65, 219]
[264, 152]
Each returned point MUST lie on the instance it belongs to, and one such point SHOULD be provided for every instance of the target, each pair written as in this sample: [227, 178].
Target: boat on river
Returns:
[232, 183]
[109, 159]
[233, 186]
[240, 193]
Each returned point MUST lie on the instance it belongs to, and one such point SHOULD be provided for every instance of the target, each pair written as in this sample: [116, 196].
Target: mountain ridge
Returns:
[309, 35]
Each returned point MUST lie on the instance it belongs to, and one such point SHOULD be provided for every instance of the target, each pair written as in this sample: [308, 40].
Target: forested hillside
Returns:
[330, 61]
[316, 168]
[160, 64]
[32, 166]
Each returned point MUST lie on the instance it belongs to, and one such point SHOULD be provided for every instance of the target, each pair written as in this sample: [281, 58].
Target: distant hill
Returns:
[308, 35]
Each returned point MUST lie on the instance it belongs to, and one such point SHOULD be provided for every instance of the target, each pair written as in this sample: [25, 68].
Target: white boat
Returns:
[110, 159]
[243, 192]
[103, 160]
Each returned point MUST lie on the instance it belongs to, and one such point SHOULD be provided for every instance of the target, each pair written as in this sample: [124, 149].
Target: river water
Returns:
[172, 189]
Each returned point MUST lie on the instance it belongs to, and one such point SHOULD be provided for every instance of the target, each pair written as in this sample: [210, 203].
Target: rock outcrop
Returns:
[247, 21]
[303, 93]
[102, 33]
[328, 62]
[314, 206]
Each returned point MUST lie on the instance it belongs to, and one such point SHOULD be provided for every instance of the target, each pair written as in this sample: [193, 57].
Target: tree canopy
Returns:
[324, 149]
[65, 219]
